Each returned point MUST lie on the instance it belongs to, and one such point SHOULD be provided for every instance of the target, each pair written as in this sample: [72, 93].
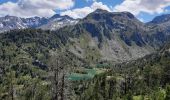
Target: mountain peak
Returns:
[59, 16]
[100, 14]
[128, 14]
[9, 16]
[100, 11]
[55, 16]
[161, 19]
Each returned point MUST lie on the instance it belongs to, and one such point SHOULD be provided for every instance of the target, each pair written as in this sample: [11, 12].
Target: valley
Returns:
[104, 56]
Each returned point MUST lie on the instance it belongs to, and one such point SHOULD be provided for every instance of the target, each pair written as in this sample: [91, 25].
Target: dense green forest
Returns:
[36, 65]
[26, 67]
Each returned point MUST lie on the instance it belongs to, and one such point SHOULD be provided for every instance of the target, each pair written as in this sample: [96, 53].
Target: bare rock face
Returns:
[8, 23]
[57, 21]
[114, 36]
[11, 22]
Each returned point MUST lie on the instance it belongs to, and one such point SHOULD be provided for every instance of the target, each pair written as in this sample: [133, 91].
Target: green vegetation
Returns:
[144, 79]
[24, 58]
[36, 65]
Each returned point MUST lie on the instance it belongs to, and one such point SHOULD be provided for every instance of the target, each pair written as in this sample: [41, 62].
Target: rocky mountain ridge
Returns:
[55, 22]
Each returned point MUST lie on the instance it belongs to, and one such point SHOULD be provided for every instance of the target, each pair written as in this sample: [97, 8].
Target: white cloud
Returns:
[82, 12]
[30, 8]
[78, 13]
[141, 19]
[138, 6]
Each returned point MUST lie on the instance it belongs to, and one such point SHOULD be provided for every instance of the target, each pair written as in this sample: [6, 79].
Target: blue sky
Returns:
[145, 10]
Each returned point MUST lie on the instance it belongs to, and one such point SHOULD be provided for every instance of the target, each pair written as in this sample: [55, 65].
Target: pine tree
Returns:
[167, 93]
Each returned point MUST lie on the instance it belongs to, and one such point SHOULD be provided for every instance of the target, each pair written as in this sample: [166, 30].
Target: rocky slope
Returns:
[109, 36]
[55, 22]
[158, 30]
[11, 22]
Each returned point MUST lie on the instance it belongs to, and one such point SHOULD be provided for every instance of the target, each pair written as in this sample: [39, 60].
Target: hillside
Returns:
[115, 37]
[88, 59]
[145, 78]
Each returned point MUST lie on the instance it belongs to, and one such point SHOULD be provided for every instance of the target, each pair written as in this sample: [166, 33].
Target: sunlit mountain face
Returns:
[84, 50]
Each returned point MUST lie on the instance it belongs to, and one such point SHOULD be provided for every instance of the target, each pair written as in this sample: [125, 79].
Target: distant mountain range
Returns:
[55, 22]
